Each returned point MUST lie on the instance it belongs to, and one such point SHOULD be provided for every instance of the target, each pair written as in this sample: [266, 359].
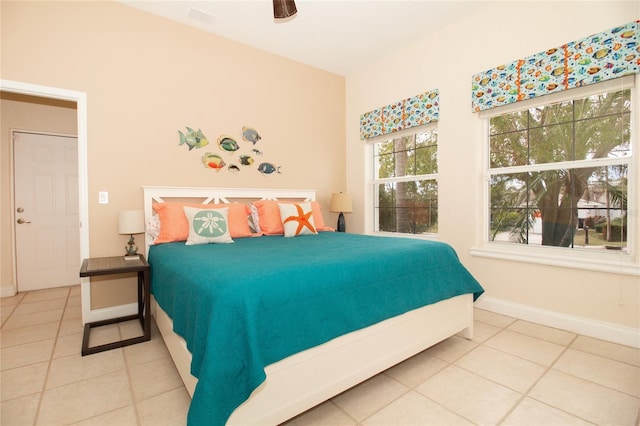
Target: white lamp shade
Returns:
[131, 222]
[341, 203]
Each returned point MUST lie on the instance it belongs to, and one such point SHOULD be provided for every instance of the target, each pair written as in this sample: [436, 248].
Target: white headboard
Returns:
[204, 195]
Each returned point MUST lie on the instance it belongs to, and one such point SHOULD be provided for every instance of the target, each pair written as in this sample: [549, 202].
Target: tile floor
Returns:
[511, 373]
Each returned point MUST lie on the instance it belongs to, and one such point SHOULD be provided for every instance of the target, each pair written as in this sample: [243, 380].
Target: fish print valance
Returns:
[411, 112]
[599, 57]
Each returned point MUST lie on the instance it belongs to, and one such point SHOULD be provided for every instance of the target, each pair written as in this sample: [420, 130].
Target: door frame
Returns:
[80, 98]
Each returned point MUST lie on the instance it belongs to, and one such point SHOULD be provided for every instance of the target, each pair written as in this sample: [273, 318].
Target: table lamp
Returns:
[341, 203]
[131, 222]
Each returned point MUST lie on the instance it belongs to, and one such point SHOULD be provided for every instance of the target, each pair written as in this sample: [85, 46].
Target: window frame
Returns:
[373, 181]
[601, 260]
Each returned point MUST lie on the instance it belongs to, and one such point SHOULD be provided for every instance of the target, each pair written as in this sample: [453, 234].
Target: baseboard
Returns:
[7, 291]
[611, 332]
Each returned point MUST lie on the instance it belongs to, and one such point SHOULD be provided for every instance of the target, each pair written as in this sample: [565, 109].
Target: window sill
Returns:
[614, 262]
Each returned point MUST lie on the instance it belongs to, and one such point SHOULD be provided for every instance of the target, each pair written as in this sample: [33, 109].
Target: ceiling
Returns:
[339, 36]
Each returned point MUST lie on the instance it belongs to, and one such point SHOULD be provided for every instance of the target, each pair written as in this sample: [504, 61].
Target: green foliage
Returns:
[412, 206]
[593, 127]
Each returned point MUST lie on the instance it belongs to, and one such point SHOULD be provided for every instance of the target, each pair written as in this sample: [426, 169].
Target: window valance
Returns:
[599, 57]
[411, 112]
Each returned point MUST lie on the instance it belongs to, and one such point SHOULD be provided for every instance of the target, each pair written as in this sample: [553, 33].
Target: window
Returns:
[558, 172]
[405, 182]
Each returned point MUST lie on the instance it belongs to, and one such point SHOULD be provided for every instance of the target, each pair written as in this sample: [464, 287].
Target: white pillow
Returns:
[207, 225]
[153, 226]
[255, 219]
[297, 219]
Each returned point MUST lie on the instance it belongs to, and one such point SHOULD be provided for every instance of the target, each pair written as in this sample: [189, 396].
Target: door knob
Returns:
[21, 221]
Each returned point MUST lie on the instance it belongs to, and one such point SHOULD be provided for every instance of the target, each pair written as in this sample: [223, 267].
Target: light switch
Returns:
[103, 197]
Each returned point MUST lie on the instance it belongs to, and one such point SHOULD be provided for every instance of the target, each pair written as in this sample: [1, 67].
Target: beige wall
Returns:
[21, 112]
[146, 78]
[488, 37]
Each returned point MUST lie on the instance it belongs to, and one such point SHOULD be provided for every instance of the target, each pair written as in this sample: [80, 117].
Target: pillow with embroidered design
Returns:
[297, 219]
[207, 226]
[266, 216]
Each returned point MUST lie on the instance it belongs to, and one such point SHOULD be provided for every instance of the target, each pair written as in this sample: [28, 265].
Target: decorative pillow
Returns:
[153, 226]
[297, 219]
[270, 223]
[207, 226]
[318, 219]
[174, 226]
[255, 218]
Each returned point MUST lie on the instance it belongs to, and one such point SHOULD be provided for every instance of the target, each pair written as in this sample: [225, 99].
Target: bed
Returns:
[272, 326]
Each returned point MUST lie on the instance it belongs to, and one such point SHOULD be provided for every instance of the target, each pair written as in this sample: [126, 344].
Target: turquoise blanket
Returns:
[243, 306]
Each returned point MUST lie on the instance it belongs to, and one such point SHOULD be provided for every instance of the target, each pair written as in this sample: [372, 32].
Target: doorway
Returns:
[47, 227]
[80, 98]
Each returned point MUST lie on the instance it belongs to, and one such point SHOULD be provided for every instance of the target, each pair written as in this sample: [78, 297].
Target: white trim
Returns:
[7, 291]
[80, 98]
[610, 332]
[600, 260]
[569, 165]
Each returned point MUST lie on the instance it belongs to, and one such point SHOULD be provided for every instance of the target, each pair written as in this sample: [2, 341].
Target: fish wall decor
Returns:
[268, 168]
[193, 138]
[213, 161]
[250, 135]
[227, 143]
[246, 160]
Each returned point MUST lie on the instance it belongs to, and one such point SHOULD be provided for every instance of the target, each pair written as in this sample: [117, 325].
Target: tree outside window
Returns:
[405, 183]
[559, 173]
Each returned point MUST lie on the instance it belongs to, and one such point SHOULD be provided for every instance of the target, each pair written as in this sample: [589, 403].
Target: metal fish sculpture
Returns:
[227, 143]
[233, 168]
[256, 151]
[193, 139]
[246, 160]
[213, 161]
[268, 168]
[250, 135]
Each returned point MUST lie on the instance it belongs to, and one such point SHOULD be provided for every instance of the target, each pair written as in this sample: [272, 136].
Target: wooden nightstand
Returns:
[118, 265]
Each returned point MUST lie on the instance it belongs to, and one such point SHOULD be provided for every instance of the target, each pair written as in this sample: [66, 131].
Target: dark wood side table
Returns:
[118, 265]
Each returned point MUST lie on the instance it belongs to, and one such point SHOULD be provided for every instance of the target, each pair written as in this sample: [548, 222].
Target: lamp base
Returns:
[342, 226]
[131, 249]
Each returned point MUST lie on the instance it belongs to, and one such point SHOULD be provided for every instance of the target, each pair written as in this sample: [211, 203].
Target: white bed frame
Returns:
[306, 379]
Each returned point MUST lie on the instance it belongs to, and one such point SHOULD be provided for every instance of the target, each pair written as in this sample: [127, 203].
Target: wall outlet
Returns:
[103, 197]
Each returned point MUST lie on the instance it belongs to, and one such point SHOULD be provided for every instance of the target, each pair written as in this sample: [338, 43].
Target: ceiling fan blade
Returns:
[284, 9]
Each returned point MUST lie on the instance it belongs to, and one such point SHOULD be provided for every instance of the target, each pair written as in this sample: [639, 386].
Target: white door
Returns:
[47, 224]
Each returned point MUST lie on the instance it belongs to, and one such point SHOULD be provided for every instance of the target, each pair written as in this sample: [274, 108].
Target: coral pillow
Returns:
[270, 222]
[297, 219]
[175, 227]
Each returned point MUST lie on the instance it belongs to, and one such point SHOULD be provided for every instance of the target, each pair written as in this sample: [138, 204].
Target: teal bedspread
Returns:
[243, 306]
